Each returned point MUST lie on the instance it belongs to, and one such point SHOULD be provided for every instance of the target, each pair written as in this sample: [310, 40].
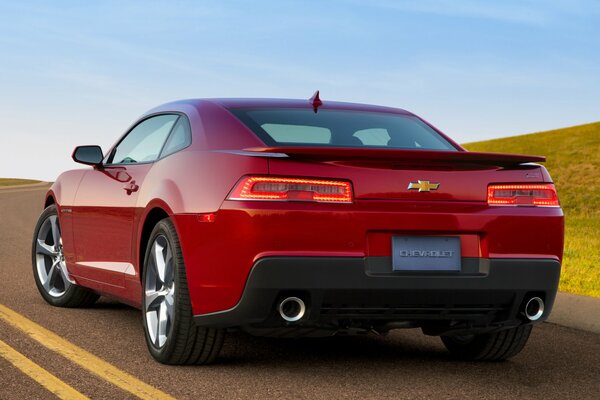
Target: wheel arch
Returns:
[50, 200]
[154, 214]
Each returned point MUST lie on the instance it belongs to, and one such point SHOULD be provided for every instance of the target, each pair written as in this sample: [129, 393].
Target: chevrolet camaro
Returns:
[303, 218]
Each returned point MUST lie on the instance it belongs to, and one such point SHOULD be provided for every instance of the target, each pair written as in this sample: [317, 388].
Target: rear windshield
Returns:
[338, 128]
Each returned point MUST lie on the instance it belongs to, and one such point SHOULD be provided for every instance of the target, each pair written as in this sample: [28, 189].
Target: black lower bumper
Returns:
[343, 292]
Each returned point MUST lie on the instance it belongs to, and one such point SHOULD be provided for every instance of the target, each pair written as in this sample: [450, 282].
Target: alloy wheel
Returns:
[159, 291]
[50, 260]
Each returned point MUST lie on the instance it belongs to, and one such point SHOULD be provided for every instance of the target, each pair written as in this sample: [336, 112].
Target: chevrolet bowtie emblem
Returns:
[423, 186]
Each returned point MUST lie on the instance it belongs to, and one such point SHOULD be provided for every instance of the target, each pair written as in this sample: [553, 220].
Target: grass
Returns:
[574, 163]
[14, 181]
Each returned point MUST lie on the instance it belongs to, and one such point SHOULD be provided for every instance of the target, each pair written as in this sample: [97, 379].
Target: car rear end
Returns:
[371, 220]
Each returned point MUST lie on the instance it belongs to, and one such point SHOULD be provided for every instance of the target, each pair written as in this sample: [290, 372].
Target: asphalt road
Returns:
[557, 363]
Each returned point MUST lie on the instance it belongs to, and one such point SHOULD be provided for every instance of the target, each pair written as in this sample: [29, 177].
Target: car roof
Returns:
[231, 103]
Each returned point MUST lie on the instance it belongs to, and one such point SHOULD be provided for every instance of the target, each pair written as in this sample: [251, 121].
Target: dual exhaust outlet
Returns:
[534, 308]
[293, 309]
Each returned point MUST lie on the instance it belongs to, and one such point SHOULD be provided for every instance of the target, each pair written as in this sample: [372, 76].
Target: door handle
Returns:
[132, 187]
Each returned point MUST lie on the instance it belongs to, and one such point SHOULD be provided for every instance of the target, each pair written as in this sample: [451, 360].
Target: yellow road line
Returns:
[39, 374]
[81, 357]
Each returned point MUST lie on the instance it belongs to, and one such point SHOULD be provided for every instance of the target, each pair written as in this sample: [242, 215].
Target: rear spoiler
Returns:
[367, 154]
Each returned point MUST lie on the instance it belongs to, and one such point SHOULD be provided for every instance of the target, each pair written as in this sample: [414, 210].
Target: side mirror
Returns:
[89, 155]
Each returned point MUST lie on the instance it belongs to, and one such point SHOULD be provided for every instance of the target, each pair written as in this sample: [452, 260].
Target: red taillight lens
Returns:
[543, 195]
[292, 189]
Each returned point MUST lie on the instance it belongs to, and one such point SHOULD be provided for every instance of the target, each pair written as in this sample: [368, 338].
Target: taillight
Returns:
[543, 195]
[292, 189]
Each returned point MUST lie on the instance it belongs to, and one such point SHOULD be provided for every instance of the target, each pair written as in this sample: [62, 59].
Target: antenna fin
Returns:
[315, 101]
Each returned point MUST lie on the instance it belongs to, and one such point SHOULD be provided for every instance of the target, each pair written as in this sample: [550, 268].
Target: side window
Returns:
[180, 138]
[144, 142]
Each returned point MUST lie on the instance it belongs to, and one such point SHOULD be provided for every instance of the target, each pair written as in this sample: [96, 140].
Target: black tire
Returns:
[495, 346]
[185, 342]
[74, 295]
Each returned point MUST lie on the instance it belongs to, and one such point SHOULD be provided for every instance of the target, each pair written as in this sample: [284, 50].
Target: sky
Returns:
[80, 72]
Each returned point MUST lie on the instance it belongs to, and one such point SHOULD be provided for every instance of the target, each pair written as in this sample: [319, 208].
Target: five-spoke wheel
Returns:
[50, 261]
[49, 267]
[159, 291]
[171, 334]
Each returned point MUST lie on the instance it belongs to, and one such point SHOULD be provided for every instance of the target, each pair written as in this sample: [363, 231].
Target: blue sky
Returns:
[79, 72]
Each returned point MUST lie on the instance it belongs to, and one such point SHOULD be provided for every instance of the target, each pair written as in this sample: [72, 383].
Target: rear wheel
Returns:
[171, 335]
[49, 268]
[494, 346]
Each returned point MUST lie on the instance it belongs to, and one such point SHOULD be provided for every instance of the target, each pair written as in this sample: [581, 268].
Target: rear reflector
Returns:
[210, 217]
[292, 189]
[543, 195]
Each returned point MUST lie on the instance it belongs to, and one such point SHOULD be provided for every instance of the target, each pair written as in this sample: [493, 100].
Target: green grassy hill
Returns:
[573, 156]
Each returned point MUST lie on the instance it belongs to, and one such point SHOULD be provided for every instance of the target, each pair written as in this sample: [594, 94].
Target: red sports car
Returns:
[295, 218]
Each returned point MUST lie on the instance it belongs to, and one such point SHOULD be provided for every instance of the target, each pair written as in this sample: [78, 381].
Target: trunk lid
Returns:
[419, 175]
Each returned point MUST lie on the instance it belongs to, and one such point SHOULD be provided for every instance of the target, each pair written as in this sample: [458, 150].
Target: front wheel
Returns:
[171, 335]
[49, 268]
[496, 346]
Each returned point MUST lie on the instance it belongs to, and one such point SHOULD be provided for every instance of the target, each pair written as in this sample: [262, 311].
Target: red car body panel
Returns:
[102, 221]
[259, 230]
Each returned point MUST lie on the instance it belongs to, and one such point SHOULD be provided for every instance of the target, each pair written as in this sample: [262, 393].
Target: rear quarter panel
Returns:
[196, 181]
[186, 184]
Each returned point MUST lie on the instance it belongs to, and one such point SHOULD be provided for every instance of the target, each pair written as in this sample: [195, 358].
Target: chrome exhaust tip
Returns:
[534, 309]
[292, 309]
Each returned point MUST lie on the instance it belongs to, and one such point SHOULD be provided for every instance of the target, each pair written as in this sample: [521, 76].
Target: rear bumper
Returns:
[220, 255]
[486, 294]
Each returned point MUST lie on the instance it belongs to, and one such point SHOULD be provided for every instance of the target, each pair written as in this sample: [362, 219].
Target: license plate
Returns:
[425, 253]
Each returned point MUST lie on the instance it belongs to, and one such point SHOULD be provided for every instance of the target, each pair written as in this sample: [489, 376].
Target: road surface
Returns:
[92, 351]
